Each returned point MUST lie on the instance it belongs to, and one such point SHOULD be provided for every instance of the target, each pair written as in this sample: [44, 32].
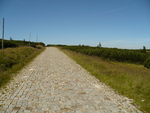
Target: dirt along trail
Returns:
[54, 83]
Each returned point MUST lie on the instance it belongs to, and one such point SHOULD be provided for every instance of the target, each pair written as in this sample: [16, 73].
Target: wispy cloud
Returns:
[110, 11]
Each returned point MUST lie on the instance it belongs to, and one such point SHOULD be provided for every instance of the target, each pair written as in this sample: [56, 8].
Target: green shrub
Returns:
[39, 47]
[147, 63]
[33, 45]
[8, 43]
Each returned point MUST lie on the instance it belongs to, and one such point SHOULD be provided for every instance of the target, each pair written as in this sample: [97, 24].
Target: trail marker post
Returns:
[3, 35]
[29, 39]
[36, 39]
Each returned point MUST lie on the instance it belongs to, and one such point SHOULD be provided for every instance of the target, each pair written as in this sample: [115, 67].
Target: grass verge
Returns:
[14, 59]
[130, 80]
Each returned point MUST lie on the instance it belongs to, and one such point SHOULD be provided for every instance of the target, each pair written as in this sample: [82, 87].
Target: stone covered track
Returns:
[54, 83]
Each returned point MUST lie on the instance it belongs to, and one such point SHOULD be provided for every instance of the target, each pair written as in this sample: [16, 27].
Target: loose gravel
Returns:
[54, 83]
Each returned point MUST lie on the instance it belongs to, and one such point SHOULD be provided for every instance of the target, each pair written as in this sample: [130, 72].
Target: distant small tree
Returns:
[11, 39]
[143, 50]
[99, 45]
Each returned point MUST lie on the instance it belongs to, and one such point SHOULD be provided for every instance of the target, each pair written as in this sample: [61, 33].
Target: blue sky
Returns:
[114, 23]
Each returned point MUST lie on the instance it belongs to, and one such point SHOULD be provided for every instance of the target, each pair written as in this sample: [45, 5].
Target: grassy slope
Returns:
[128, 79]
[13, 59]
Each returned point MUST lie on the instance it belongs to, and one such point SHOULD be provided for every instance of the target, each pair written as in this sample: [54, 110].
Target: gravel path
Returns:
[54, 83]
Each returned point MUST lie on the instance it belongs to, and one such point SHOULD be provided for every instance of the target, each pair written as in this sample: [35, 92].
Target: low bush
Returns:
[8, 43]
[147, 63]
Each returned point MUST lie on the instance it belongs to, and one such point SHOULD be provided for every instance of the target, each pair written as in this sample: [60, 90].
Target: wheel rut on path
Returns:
[54, 83]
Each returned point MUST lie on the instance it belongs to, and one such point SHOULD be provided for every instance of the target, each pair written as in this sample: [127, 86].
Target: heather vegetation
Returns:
[16, 43]
[114, 54]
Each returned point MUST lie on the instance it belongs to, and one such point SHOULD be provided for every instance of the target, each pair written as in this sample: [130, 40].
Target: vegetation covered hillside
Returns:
[16, 43]
[16, 54]
[114, 54]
